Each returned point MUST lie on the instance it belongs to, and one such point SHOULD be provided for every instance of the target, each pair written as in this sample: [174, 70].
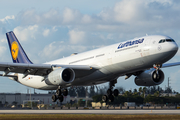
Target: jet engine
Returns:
[149, 78]
[60, 76]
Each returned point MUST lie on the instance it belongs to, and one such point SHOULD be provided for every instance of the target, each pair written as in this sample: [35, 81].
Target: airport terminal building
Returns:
[21, 98]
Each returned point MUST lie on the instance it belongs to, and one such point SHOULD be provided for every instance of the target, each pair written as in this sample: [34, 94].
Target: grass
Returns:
[85, 117]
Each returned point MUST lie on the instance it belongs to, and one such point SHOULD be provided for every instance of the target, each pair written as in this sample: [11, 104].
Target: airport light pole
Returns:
[86, 95]
[168, 87]
[30, 99]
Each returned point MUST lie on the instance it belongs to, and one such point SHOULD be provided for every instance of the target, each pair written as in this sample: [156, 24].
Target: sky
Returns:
[50, 30]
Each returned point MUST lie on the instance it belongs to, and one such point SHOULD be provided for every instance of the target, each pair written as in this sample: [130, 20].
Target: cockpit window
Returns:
[169, 40]
[160, 41]
[166, 40]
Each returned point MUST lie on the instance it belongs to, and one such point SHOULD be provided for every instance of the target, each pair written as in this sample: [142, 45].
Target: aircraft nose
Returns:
[172, 47]
[175, 47]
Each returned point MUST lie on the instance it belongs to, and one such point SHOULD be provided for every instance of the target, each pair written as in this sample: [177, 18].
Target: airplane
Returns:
[142, 57]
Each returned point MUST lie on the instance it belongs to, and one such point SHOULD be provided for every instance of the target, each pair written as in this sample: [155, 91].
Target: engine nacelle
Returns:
[60, 76]
[149, 78]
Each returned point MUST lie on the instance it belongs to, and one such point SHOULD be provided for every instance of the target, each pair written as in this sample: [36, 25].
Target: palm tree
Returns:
[157, 94]
[140, 90]
[127, 94]
[135, 94]
[135, 90]
[144, 91]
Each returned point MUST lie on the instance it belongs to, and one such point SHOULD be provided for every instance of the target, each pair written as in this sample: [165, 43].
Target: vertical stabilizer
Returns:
[16, 50]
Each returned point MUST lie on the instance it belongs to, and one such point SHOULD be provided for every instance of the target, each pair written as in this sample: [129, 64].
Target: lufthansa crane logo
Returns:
[14, 50]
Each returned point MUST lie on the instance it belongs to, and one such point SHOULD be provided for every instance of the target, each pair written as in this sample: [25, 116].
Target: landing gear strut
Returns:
[110, 94]
[59, 95]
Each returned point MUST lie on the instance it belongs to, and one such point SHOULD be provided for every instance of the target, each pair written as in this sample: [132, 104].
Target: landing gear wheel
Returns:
[116, 92]
[65, 92]
[111, 98]
[54, 98]
[109, 92]
[104, 98]
[110, 95]
[61, 98]
[58, 92]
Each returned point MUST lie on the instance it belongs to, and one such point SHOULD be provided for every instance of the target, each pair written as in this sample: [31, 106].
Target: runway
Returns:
[123, 112]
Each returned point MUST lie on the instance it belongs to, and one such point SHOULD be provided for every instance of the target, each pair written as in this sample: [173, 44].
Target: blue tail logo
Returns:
[17, 52]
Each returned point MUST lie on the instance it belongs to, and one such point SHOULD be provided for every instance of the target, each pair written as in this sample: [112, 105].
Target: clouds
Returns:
[59, 49]
[52, 50]
[46, 32]
[32, 16]
[124, 16]
[7, 18]
[26, 33]
[126, 19]
[126, 11]
[76, 36]
[70, 15]
[86, 19]
[129, 15]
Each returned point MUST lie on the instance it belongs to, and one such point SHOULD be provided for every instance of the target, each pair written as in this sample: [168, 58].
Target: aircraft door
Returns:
[109, 60]
[109, 57]
[146, 47]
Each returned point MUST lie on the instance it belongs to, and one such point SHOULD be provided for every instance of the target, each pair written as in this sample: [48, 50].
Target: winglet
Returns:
[16, 50]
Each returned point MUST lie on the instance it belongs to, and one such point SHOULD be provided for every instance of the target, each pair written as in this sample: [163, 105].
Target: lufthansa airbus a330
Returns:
[142, 57]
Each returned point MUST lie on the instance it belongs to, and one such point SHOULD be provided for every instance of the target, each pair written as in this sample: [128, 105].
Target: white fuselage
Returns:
[112, 61]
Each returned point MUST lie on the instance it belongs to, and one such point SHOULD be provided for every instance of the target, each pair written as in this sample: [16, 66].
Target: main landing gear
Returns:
[59, 95]
[110, 94]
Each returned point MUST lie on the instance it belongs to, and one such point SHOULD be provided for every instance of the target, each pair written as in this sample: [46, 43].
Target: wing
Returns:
[39, 69]
[170, 64]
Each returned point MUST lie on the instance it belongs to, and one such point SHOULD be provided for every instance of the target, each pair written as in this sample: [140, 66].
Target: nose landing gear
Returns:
[110, 94]
[157, 67]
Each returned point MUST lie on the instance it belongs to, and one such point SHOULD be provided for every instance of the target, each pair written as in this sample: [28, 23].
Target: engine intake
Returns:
[149, 78]
[60, 76]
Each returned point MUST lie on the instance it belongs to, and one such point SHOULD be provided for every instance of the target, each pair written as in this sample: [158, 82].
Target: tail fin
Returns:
[16, 50]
